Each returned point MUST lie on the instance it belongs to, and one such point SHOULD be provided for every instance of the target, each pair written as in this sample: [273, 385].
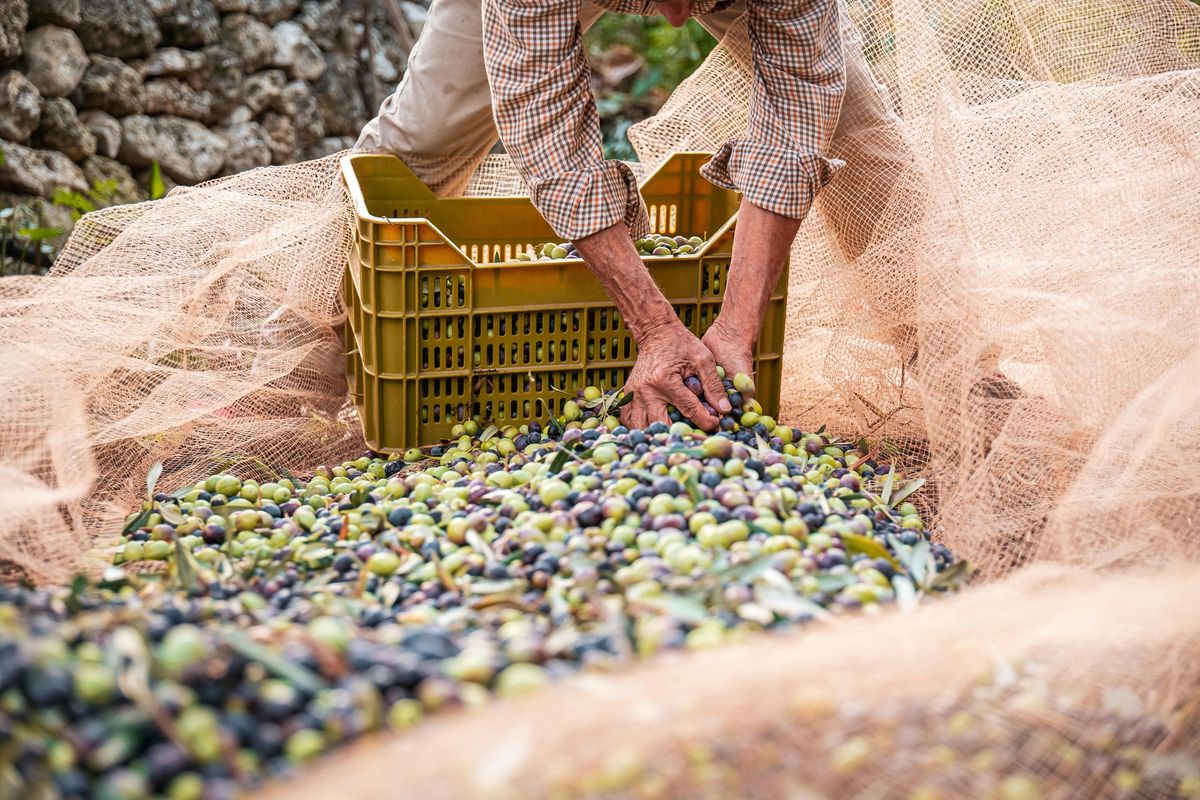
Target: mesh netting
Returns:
[1000, 289]
[979, 697]
[195, 331]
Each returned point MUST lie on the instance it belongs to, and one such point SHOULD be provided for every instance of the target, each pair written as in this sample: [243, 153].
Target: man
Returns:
[520, 65]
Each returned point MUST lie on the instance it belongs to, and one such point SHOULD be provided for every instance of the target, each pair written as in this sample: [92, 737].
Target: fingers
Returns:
[714, 391]
[656, 410]
[634, 414]
[647, 407]
[689, 405]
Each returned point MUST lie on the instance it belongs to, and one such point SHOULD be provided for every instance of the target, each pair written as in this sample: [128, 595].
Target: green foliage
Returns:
[158, 189]
[667, 54]
[25, 246]
[102, 194]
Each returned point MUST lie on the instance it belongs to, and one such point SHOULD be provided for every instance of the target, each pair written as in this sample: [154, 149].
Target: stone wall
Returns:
[101, 89]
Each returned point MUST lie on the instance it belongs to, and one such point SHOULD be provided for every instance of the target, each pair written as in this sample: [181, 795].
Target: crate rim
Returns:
[359, 201]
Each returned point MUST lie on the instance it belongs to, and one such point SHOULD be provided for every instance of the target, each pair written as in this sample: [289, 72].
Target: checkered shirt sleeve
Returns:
[799, 81]
[546, 115]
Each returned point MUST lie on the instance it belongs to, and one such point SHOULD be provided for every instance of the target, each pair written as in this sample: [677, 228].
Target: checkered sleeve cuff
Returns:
[774, 178]
[581, 202]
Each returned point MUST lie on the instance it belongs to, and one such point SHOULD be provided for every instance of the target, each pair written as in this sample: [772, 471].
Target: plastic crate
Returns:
[447, 326]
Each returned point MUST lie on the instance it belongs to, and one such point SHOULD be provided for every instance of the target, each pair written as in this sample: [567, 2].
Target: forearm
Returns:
[760, 252]
[615, 262]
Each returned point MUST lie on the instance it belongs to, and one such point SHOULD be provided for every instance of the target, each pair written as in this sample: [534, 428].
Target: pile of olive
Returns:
[248, 626]
[653, 245]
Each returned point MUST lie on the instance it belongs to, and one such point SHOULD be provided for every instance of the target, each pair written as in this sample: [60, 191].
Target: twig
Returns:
[399, 24]
[367, 73]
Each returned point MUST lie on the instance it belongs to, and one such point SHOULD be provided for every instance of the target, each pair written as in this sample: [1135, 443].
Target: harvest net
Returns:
[1000, 290]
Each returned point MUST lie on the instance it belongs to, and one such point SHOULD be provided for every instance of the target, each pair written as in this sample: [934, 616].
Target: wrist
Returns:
[656, 327]
[611, 256]
[735, 330]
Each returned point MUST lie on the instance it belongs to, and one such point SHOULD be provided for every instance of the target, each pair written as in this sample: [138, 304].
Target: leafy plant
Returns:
[23, 245]
[158, 189]
[102, 194]
[105, 193]
[655, 58]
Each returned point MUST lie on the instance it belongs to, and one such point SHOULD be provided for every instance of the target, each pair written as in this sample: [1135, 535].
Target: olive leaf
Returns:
[879, 505]
[360, 585]
[171, 513]
[685, 608]
[152, 477]
[590, 404]
[643, 475]
[139, 520]
[906, 594]
[858, 543]
[787, 603]
[481, 546]
[886, 496]
[286, 670]
[133, 658]
[314, 554]
[834, 583]
[443, 574]
[553, 388]
[486, 587]
[823, 502]
[906, 490]
[921, 566]
[489, 433]
[744, 572]
[693, 488]
[952, 576]
[78, 586]
[225, 568]
[556, 596]
[560, 460]
[389, 594]
[753, 612]
[120, 744]
[763, 447]
[623, 401]
[113, 578]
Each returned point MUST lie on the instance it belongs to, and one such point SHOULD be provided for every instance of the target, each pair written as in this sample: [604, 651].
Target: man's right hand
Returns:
[668, 353]
[666, 358]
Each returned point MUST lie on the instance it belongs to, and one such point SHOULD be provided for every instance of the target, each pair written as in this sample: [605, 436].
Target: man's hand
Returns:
[732, 350]
[665, 360]
[668, 353]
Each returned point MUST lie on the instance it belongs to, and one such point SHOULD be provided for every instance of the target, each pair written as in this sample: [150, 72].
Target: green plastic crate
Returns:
[446, 326]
